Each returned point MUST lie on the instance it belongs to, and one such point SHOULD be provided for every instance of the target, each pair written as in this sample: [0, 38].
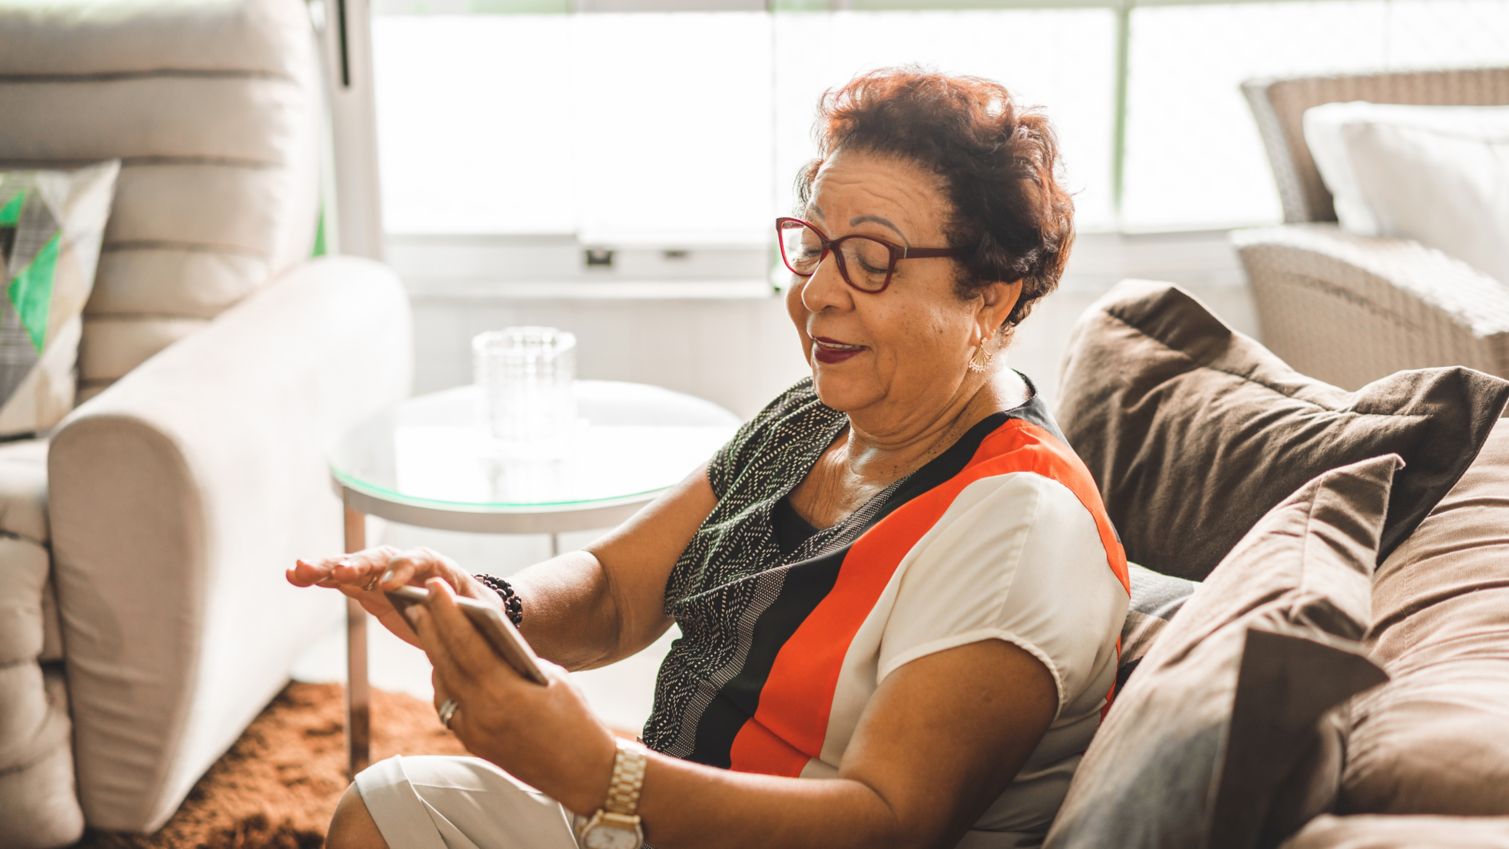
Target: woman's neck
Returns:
[882, 455]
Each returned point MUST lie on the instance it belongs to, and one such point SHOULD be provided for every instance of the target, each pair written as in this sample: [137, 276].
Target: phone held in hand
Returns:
[500, 633]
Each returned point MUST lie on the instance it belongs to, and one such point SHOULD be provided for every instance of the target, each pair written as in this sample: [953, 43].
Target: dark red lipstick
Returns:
[831, 351]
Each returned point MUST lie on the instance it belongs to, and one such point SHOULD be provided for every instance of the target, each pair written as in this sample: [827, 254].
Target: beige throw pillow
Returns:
[51, 226]
[1398, 832]
[1435, 739]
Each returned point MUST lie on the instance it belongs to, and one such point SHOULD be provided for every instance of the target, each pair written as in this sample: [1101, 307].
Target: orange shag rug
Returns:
[279, 783]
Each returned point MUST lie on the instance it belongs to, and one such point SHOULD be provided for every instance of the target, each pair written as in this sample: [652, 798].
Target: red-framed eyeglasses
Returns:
[864, 262]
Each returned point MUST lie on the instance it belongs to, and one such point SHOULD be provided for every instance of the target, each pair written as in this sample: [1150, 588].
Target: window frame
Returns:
[562, 256]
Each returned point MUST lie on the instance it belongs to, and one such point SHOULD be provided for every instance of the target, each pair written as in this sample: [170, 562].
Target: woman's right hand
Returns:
[360, 576]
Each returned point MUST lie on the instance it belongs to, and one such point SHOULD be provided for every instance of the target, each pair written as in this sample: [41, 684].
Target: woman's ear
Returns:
[997, 300]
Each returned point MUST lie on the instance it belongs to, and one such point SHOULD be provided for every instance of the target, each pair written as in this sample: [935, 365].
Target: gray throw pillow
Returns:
[1194, 431]
[1225, 737]
[1156, 597]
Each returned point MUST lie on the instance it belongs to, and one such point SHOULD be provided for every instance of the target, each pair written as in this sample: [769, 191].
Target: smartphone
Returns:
[505, 639]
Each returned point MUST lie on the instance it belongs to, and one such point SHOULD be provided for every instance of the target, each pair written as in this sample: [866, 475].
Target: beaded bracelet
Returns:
[513, 606]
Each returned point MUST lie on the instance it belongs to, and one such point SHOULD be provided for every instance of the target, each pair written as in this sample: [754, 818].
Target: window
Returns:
[673, 129]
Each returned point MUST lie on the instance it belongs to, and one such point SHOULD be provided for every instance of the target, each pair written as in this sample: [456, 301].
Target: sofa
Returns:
[144, 620]
[1350, 307]
[1317, 651]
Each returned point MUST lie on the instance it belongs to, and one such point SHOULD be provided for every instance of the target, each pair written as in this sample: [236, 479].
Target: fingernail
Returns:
[386, 576]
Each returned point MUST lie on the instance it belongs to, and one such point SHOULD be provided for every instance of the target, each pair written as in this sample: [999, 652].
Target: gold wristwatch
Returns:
[616, 823]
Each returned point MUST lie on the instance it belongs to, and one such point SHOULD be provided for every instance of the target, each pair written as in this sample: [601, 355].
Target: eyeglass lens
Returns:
[865, 263]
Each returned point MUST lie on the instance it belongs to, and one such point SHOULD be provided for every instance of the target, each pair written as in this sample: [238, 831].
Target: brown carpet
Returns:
[278, 785]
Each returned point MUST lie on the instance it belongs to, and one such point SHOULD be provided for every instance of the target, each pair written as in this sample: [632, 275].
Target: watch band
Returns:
[628, 779]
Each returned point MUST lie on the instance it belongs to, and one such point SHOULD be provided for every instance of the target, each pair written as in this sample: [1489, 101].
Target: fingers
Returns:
[443, 677]
[440, 692]
[363, 567]
[364, 576]
[307, 574]
[467, 654]
[403, 568]
[358, 570]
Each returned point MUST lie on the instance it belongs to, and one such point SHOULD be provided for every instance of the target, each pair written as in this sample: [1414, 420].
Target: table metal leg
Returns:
[358, 691]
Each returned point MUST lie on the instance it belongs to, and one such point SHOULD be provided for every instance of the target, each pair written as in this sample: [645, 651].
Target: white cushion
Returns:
[29, 628]
[1435, 174]
[38, 806]
[23, 489]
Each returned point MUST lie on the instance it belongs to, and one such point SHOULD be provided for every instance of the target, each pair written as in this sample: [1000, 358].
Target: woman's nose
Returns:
[826, 287]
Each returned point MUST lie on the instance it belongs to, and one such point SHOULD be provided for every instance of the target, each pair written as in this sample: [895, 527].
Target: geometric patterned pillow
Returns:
[51, 226]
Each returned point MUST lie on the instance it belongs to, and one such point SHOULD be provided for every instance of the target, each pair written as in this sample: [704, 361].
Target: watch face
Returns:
[611, 837]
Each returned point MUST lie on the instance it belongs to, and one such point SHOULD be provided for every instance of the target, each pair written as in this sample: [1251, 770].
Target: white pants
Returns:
[447, 802]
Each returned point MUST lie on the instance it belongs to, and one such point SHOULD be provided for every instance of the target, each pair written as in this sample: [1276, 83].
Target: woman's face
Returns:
[899, 356]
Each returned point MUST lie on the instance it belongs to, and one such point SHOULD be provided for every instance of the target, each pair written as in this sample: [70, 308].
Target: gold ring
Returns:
[372, 584]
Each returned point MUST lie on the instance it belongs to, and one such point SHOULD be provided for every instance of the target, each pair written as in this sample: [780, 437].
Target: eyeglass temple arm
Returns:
[924, 253]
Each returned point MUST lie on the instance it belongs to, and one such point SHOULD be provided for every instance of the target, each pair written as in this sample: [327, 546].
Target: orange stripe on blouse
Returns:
[791, 721]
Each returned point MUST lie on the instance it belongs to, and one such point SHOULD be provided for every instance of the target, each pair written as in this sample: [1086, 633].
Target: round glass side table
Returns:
[429, 462]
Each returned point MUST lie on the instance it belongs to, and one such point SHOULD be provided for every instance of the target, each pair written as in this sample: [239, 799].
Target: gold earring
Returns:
[976, 364]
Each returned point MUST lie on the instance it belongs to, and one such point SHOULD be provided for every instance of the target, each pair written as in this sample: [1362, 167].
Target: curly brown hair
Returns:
[997, 160]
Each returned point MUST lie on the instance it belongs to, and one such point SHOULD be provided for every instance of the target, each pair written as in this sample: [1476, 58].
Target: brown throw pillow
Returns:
[1393, 832]
[1218, 739]
[1193, 431]
[1435, 740]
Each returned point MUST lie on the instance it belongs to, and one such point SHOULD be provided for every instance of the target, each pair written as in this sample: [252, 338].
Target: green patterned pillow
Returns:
[51, 226]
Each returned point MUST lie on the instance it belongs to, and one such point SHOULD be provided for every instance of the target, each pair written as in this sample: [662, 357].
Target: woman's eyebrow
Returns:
[860, 219]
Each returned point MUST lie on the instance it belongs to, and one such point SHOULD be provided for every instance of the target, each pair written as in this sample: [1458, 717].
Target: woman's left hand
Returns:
[546, 736]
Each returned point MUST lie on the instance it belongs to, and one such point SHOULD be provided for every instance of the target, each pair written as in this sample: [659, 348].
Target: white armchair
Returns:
[1349, 309]
[142, 542]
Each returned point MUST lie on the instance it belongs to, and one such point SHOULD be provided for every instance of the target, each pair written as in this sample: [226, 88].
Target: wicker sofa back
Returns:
[1278, 105]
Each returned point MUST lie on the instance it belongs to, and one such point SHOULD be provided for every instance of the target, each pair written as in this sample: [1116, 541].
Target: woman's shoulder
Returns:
[1019, 499]
[788, 429]
[799, 397]
[1015, 556]
[796, 410]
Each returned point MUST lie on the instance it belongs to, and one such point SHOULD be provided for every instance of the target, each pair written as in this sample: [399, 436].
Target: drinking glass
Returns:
[525, 375]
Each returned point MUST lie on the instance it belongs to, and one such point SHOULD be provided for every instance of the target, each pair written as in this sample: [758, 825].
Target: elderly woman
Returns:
[899, 594]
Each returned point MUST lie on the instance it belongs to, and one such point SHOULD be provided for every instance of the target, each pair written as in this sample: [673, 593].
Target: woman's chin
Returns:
[836, 391]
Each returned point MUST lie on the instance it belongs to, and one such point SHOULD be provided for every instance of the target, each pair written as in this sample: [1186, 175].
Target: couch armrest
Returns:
[178, 496]
[1349, 309]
